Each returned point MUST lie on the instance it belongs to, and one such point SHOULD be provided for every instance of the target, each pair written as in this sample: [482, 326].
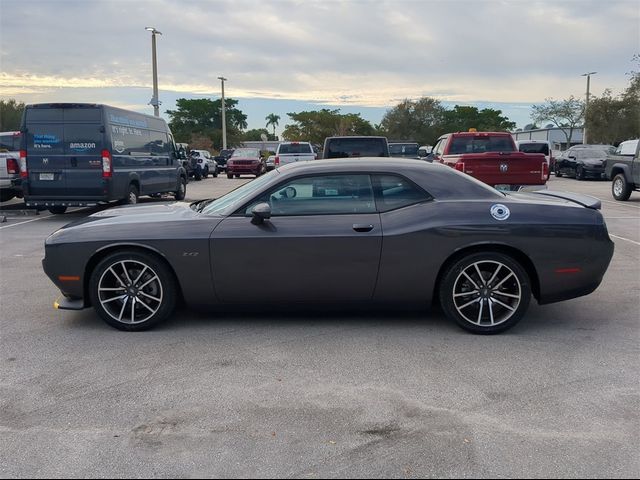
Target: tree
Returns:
[203, 117]
[272, 119]
[10, 115]
[565, 114]
[255, 135]
[315, 126]
[420, 120]
[612, 119]
[462, 118]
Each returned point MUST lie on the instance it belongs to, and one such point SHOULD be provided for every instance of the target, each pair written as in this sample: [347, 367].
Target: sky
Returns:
[360, 56]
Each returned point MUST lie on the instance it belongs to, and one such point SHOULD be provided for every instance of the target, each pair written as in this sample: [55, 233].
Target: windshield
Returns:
[233, 199]
[245, 152]
[481, 144]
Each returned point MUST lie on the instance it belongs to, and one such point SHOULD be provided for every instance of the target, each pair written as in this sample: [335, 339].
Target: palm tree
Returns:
[272, 119]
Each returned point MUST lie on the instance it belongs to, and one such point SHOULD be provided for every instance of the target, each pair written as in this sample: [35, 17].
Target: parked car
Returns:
[538, 146]
[624, 169]
[271, 162]
[222, 158]
[355, 146]
[404, 149]
[424, 152]
[290, 152]
[246, 161]
[378, 231]
[81, 154]
[10, 181]
[584, 161]
[207, 163]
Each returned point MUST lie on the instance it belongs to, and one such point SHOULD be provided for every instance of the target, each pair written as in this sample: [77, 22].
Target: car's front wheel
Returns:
[579, 172]
[557, 171]
[485, 293]
[132, 290]
[620, 188]
[181, 191]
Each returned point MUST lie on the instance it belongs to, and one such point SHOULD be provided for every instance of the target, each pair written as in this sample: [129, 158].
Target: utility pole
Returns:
[224, 120]
[586, 106]
[154, 100]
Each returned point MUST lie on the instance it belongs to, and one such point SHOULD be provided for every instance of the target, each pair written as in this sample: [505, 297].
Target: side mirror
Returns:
[260, 213]
[422, 153]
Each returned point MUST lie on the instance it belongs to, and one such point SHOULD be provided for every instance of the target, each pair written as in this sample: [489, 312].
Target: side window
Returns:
[320, 195]
[439, 148]
[393, 192]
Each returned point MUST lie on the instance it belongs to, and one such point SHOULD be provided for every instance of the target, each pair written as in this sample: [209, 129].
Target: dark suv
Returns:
[223, 157]
[346, 147]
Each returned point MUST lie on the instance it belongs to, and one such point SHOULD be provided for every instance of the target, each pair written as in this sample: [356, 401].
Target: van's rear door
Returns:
[64, 148]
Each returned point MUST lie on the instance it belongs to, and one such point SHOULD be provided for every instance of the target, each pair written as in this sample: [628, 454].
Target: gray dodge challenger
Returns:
[337, 232]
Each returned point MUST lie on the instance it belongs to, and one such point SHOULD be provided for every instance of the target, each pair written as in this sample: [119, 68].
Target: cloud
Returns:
[368, 53]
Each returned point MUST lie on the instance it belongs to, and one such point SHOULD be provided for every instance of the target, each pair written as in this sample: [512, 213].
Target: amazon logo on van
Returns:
[82, 147]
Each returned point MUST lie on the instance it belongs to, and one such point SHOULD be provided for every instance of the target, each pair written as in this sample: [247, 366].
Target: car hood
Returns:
[133, 221]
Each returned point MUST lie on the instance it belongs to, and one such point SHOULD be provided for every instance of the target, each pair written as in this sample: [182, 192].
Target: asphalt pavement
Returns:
[313, 395]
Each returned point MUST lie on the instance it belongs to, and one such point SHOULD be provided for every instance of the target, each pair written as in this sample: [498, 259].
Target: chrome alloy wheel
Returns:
[130, 292]
[487, 293]
[618, 187]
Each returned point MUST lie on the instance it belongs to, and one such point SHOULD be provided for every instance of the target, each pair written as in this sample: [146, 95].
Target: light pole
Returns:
[586, 106]
[224, 120]
[154, 100]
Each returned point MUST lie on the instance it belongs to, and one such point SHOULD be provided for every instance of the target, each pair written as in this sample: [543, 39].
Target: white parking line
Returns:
[620, 204]
[625, 239]
[35, 219]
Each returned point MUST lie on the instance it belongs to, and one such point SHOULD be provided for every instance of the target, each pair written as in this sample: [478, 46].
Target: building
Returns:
[554, 135]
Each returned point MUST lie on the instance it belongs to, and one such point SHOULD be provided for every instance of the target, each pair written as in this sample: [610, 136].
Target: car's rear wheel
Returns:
[229, 175]
[620, 188]
[57, 210]
[132, 290]
[485, 293]
[237, 175]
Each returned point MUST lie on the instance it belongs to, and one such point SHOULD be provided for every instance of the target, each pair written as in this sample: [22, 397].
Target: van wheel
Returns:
[182, 190]
[57, 210]
[133, 195]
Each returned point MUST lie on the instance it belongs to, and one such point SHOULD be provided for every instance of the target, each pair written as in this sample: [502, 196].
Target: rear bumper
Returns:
[32, 201]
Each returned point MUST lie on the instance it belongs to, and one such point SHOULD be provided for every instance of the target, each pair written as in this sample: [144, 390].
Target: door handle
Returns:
[362, 227]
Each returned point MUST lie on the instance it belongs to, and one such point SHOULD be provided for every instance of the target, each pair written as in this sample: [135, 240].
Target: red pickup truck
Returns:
[492, 158]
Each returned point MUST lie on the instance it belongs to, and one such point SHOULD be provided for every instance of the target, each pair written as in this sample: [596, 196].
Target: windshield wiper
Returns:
[203, 203]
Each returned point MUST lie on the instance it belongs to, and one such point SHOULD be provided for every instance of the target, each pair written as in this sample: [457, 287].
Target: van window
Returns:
[82, 139]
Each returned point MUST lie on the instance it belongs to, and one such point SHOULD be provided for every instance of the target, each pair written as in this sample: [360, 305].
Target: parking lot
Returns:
[317, 395]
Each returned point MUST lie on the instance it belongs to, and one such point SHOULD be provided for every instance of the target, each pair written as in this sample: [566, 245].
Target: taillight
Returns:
[12, 166]
[277, 161]
[24, 173]
[545, 170]
[459, 166]
[107, 164]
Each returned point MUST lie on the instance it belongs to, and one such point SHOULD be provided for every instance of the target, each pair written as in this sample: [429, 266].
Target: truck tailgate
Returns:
[492, 168]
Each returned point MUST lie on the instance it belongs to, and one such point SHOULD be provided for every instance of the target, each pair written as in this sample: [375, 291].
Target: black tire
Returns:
[557, 171]
[215, 173]
[159, 295]
[57, 210]
[579, 173]
[507, 277]
[133, 196]
[6, 195]
[229, 175]
[237, 175]
[620, 188]
[205, 173]
[181, 191]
